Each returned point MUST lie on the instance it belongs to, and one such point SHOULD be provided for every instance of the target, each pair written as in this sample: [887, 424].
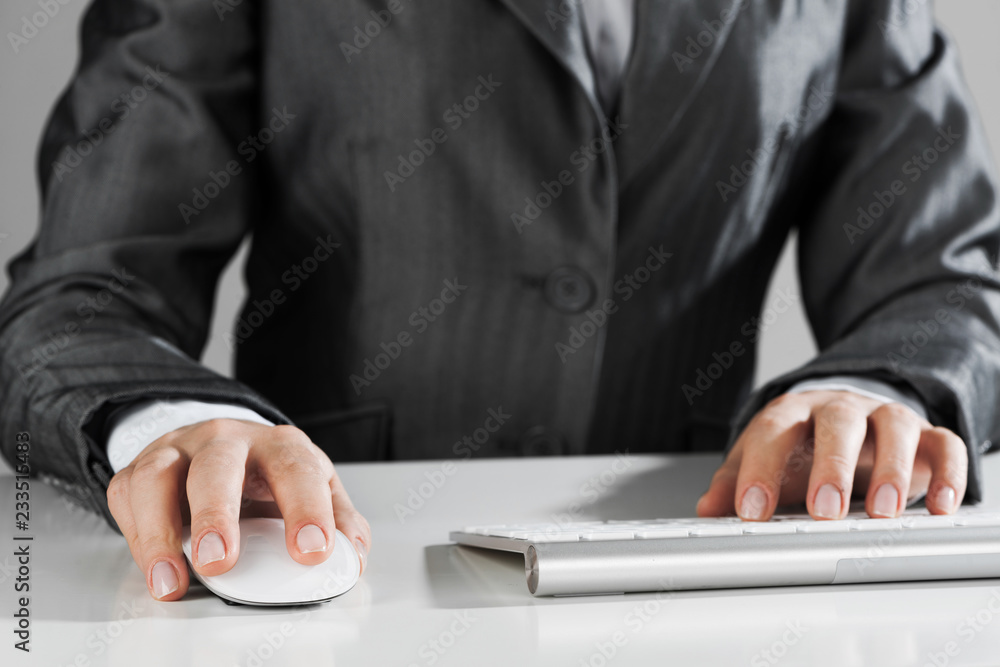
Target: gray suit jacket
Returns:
[456, 254]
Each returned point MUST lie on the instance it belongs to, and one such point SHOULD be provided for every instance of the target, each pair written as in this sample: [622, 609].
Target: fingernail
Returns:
[362, 552]
[310, 539]
[945, 498]
[753, 504]
[164, 579]
[211, 548]
[886, 502]
[828, 502]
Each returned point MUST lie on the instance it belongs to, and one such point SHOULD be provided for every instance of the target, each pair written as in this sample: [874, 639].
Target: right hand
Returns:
[204, 471]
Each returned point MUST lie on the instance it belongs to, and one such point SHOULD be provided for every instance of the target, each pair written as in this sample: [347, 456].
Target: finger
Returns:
[839, 431]
[770, 441]
[121, 510]
[349, 521]
[895, 430]
[215, 490]
[300, 483]
[154, 497]
[948, 460]
[718, 500]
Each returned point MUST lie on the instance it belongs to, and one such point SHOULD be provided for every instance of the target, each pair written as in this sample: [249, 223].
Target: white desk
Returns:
[90, 606]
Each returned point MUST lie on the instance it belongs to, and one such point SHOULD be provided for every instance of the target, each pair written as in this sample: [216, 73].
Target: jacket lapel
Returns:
[558, 25]
[677, 44]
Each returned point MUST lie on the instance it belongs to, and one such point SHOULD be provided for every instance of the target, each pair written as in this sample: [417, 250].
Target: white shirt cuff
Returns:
[139, 426]
[874, 389]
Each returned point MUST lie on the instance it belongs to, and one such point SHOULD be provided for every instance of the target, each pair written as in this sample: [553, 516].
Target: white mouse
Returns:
[265, 573]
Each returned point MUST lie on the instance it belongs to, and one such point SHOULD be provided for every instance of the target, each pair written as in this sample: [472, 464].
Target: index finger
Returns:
[768, 442]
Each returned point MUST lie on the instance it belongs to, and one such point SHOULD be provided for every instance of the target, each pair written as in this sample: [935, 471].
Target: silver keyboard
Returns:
[601, 557]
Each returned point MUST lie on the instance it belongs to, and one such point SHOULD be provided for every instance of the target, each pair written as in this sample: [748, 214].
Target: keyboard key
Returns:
[702, 520]
[552, 537]
[877, 524]
[660, 533]
[603, 536]
[824, 526]
[506, 532]
[555, 528]
[928, 521]
[719, 530]
[974, 519]
[769, 528]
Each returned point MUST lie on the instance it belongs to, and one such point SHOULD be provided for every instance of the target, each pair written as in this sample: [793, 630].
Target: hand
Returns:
[205, 471]
[822, 446]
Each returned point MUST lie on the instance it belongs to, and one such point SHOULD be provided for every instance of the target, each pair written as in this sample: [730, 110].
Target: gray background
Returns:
[32, 79]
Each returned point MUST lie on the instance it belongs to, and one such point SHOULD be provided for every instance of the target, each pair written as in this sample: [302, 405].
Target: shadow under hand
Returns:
[671, 490]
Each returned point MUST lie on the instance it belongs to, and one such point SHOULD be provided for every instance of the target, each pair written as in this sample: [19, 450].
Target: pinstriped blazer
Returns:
[457, 253]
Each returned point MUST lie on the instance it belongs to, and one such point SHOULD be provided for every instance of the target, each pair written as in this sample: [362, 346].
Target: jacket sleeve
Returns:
[899, 229]
[112, 301]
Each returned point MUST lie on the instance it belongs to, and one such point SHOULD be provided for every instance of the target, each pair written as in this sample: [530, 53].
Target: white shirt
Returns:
[609, 27]
[610, 30]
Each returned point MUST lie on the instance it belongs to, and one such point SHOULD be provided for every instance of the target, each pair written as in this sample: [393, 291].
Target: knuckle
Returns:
[773, 419]
[725, 471]
[957, 455]
[362, 523]
[154, 464]
[962, 459]
[954, 473]
[351, 516]
[324, 463]
[896, 412]
[944, 439]
[285, 433]
[785, 402]
[172, 438]
[839, 411]
[893, 463]
[217, 429]
[118, 491]
[216, 516]
[340, 497]
[948, 437]
[152, 544]
[838, 463]
[223, 458]
[294, 462]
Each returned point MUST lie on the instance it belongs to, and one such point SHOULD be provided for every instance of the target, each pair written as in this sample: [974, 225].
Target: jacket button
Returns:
[569, 290]
[537, 441]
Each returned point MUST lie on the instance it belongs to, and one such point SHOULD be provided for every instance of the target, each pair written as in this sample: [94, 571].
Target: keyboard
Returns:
[605, 557]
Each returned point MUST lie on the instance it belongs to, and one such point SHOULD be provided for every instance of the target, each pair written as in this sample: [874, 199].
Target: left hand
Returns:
[822, 447]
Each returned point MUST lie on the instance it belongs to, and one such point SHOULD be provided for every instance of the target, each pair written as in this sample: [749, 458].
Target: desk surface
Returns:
[426, 602]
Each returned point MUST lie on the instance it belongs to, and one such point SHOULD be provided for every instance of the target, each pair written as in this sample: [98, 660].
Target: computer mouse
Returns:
[265, 573]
